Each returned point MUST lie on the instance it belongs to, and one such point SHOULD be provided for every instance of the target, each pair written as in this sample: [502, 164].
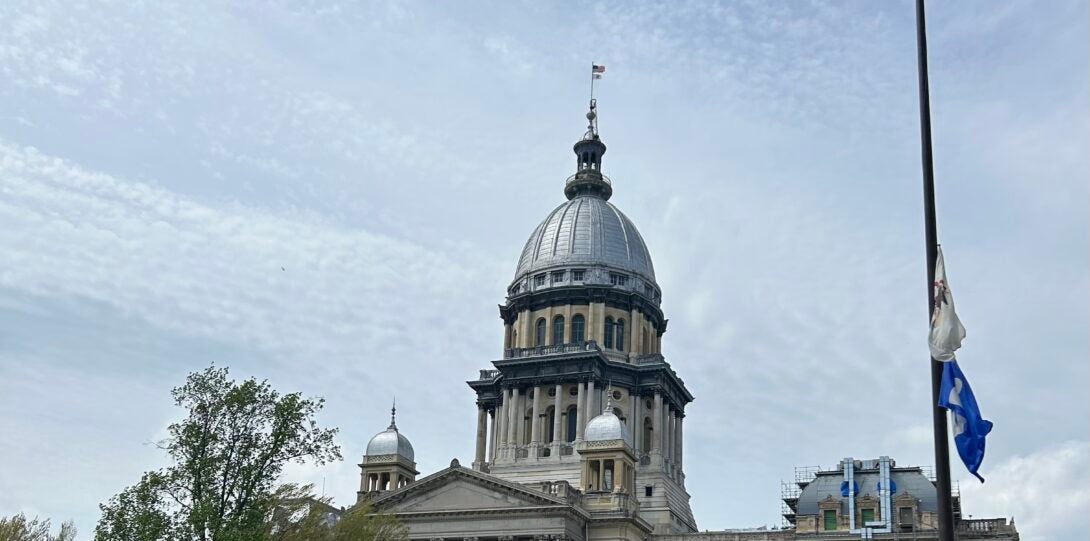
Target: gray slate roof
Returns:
[910, 480]
[587, 230]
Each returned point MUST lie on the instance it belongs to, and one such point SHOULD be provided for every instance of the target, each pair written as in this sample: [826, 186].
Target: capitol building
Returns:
[580, 426]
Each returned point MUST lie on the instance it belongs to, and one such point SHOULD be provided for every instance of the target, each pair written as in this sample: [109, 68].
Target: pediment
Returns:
[458, 489]
[462, 494]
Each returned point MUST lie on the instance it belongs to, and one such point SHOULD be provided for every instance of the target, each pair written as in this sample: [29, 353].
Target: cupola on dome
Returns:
[607, 427]
[390, 442]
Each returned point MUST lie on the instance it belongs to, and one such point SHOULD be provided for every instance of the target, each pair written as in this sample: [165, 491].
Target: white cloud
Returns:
[1047, 492]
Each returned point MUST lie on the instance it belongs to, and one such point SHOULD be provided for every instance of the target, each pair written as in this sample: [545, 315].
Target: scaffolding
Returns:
[791, 490]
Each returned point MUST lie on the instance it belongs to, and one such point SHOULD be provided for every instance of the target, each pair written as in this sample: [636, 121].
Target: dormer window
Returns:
[539, 280]
[577, 275]
[618, 279]
[558, 277]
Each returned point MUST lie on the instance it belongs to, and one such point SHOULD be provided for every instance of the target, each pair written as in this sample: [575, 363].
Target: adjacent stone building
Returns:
[580, 422]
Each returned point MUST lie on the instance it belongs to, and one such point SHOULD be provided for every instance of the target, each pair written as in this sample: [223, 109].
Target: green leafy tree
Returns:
[301, 516]
[18, 528]
[226, 457]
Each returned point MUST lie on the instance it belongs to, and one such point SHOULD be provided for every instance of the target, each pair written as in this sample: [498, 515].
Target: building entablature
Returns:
[651, 374]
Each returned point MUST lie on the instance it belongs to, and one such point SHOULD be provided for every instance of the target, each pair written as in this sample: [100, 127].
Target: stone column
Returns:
[633, 403]
[592, 403]
[680, 441]
[656, 425]
[567, 325]
[665, 437]
[512, 420]
[507, 336]
[580, 411]
[557, 436]
[594, 330]
[549, 326]
[535, 418]
[527, 328]
[492, 416]
[501, 418]
[630, 339]
[674, 435]
[482, 435]
[520, 418]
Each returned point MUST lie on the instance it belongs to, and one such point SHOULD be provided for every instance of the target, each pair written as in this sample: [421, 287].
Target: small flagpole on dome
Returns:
[592, 64]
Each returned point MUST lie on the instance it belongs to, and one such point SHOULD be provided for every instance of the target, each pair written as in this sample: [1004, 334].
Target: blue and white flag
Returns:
[970, 427]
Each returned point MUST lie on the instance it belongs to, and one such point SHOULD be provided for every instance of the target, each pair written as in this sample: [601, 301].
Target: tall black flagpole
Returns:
[938, 415]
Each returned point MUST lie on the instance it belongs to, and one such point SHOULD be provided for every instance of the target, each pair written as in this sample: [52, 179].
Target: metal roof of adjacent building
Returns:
[908, 480]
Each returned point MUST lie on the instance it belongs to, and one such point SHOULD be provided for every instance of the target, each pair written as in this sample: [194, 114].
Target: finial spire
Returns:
[393, 415]
[609, 398]
[592, 121]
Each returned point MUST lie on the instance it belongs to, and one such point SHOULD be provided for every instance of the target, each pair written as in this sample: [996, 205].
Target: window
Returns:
[558, 330]
[515, 290]
[558, 277]
[539, 280]
[620, 334]
[868, 516]
[539, 337]
[577, 275]
[829, 516]
[618, 279]
[648, 490]
[572, 417]
[609, 333]
[906, 518]
[616, 395]
[577, 325]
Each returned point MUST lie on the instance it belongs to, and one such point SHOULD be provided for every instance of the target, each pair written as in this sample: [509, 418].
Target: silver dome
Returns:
[586, 231]
[390, 442]
[607, 427]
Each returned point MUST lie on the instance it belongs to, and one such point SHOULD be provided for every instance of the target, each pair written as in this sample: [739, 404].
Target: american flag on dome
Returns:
[597, 71]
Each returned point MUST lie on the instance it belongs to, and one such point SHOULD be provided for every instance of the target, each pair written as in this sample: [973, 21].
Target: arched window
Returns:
[577, 325]
[539, 337]
[572, 417]
[620, 334]
[609, 333]
[558, 330]
[550, 418]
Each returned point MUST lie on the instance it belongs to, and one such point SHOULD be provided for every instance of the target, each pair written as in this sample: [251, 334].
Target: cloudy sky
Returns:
[161, 164]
